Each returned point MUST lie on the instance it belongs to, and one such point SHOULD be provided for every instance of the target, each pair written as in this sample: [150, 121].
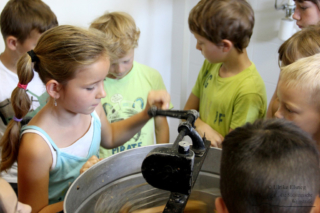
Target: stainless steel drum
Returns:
[116, 183]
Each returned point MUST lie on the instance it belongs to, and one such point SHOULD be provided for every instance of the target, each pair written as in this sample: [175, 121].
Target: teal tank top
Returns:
[68, 166]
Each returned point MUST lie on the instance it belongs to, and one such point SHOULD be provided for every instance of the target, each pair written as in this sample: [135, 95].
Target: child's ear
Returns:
[220, 205]
[53, 88]
[12, 42]
[226, 45]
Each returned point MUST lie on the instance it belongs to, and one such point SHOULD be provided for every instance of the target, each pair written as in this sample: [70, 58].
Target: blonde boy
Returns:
[304, 43]
[298, 93]
[128, 82]
[229, 90]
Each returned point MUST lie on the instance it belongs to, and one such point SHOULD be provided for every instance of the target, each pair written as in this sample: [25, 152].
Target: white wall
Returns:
[153, 18]
[167, 44]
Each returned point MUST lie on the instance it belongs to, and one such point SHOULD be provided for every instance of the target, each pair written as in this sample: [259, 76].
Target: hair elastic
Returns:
[33, 56]
[17, 119]
[22, 86]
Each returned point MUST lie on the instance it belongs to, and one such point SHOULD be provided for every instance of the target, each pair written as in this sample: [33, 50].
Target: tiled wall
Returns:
[263, 50]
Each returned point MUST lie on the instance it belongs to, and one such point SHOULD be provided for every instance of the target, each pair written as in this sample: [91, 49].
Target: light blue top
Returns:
[68, 166]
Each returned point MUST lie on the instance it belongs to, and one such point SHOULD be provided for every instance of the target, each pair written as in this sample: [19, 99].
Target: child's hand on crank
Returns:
[159, 98]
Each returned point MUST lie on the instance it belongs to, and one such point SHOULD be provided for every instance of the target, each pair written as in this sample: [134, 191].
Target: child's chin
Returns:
[88, 112]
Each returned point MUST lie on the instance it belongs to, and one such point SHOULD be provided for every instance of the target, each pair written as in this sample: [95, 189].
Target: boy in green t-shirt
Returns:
[229, 91]
[128, 82]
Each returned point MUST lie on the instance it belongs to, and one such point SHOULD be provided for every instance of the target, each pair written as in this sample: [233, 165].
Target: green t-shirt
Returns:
[127, 97]
[230, 102]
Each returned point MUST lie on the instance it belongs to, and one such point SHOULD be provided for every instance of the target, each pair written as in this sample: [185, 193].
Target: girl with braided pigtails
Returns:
[68, 130]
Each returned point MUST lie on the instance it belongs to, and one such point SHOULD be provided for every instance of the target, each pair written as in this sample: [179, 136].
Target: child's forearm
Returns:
[123, 130]
[56, 207]
[161, 129]
[199, 123]
[120, 132]
[212, 135]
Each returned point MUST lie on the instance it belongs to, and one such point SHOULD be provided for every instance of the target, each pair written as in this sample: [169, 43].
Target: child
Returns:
[67, 131]
[307, 13]
[9, 201]
[128, 82]
[298, 93]
[269, 166]
[304, 43]
[229, 90]
[22, 22]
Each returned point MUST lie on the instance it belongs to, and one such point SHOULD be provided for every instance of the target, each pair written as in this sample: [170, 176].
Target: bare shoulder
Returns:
[34, 148]
[34, 163]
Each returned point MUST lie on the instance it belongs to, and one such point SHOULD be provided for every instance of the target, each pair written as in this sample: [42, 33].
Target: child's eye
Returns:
[303, 8]
[126, 61]
[90, 88]
[290, 111]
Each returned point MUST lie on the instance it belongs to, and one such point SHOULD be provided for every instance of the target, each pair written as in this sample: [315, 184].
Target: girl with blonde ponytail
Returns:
[69, 129]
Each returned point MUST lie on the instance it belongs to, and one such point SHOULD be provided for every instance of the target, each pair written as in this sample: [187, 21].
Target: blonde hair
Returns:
[224, 19]
[120, 30]
[304, 74]
[304, 43]
[61, 51]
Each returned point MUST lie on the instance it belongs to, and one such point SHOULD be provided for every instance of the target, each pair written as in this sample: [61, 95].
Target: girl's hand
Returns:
[159, 98]
[93, 160]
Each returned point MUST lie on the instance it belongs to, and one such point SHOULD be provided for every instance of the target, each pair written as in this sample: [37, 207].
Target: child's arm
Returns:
[35, 160]
[117, 133]
[201, 127]
[161, 129]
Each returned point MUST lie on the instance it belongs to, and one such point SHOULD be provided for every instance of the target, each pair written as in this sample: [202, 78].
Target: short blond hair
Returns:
[304, 74]
[120, 30]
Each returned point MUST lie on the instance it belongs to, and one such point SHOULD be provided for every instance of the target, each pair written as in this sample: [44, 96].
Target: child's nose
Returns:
[278, 113]
[296, 15]
[102, 93]
[116, 68]
[121, 69]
